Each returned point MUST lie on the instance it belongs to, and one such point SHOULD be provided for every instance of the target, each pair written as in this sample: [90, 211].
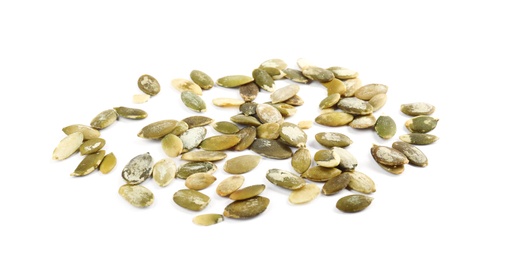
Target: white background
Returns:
[63, 62]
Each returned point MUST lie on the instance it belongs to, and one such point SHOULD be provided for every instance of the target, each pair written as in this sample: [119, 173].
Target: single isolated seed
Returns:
[148, 84]
[137, 195]
[353, 203]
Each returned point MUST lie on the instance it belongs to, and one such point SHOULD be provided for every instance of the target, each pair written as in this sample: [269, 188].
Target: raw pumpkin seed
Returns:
[195, 121]
[89, 163]
[354, 106]
[241, 164]
[417, 109]
[186, 85]
[285, 110]
[202, 79]
[378, 101]
[199, 181]
[335, 86]
[87, 131]
[246, 120]
[268, 131]
[91, 146]
[317, 73]
[190, 168]
[320, 174]
[172, 145]
[140, 98]
[284, 93]
[353, 203]
[332, 139]
[191, 199]
[285, 179]
[421, 124]
[295, 101]
[219, 142]
[387, 155]
[274, 72]
[192, 138]
[363, 122]
[329, 101]
[293, 135]
[230, 185]
[301, 160]
[336, 184]
[343, 73]
[296, 76]
[305, 194]
[268, 114]
[274, 63]
[385, 127]
[249, 208]
[249, 91]
[247, 135]
[131, 113]
[263, 80]
[305, 124]
[413, 154]
[360, 182]
[326, 158]
[203, 156]
[68, 146]
[138, 169]
[137, 195]
[352, 85]
[396, 169]
[104, 119]
[368, 91]
[248, 108]
[208, 219]
[108, 163]
[304, 63]
[148, 84]
[180, 128]
[158, 129]
[418, 138]
[271, 149]
[348, 162]
[225, 127]
[247, 192]
[193, 101]
[234, 81]
[227, 102]
[164, 172]
[334, 118]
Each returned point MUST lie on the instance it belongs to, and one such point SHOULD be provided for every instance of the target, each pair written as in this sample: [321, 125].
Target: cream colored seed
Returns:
[227, 102]
[284, 93]
[137, 195]
[307, 193]
[208, 219]
[199, 181]
[305, 124]
[360, 182]
[186, 85]
[164, 171]
[140, 98]
[68, 146]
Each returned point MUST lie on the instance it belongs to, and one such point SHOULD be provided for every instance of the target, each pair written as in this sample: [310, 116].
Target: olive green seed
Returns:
[329, 101]
[368, 91]
[296, 76]
[284, 93]
[387, 155]
[248, 108]
[263, 80]
[191, 199]
[336, 184]
[326, 158]
[233, 81]
[89, 163]
[87, 131]
[414, 155]
[193, 101]
[360, 182]
[334, 118]
[301, 160]
[332, 139]
[385, 127]
[353, 203]
[241, 164]
[131, 113]
[189, 168]
[138, 169]
[203, 156]
[202, 79]
[158, 129]
[244, 209]
[219, 142]
[335, 86]
[195, 121]
[108, 163]
[148, 84]
[247, 192]
[225, 127]
[271, 149]
[104, 119]
[91, 146]
[418, 138]
[355, 106]
[268, 131]
[320, 174]
[421, 124]
[285, 179]
[247, 135]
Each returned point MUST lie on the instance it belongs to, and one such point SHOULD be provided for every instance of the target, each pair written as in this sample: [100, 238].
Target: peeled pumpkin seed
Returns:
[247, 192]
[274, 72]
[334, 119]
[108, 163]
[417, 109]
[317, 73]
[234, 81]
[158, 129]
[243, 209]
[413, 154]
[227, 102]
[246, 120]
[196, 121]
[352, 85]
[148, 84]
[208, 219]
[305, 124]
[285, 110]
[348, 161]
[190, 168]
[164, 172]
[385, 127]
[225, 127]
[138, 169]
[285, 179]
[336, 184]
[191, 199]
[274, 63]
[68, 146]
[320, 174]
[131, 113]
[249, 91]
[191, 138]
[304, 63]
[335, 86]
[363, 122]
[387, 155]
[137, 195]
[353, 203]
[247, 135]
[293, 135]
[230, 185]
[343, 73]
[92, 146]
[219, 142]
[193, 101]
[203, 156]
[421, 124]
[284, 93]
[332, 139]
[397, 169]
[263, 80]
[355, 106]
[295, 101]
[326, 158]
[241, 164]
[89, 163]
[360, 182]
[186, 85]
[296, 76]
[271, 149]
[87, 131]
[248, 108]
[180, 128]
[140, 98]
[268, 114]
[199, 181]
[268, 131]
[305, 194]
[301, 160]
[418, 138]
[329, 101]
[368, 91]
[172, 145]
[104, 119]
[202, 79]
[378, 101]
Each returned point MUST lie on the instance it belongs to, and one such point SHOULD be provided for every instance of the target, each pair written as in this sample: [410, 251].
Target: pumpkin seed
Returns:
[418, 138]
[355, 106]
[336, 184]
[91, 146]
[246, 120]
[202, 79]
[271, 149]
[219, 142]
[164, 172]
[108, 163]
[274, 63]
[193, 101]
[208, 219]
[248, 108]
[335, 86]
[320, 174]
[148, 84]
[242, 209]
[274, 72]
[186, 85]
[158, 129]
[301, 160]
[140, 98]
[199, 181]
[241, 164]
[89, 163]
[138, 169]
[180, 128]
[227, 102]
[203, 156]
[413, 154]
[396, 169]
[172, 145]
[332, 139]
[304, 63]
[225, 127]
[68, 146]
[329, 101]
[195, 121]
[293, 135]
[334, 119]
[191, 199]
[305, 194]
[343, 73]
[285, 110]
[192, 138]
[247, 135]
[296, 76]
[317, 73]
[368, 91]
[285, 179]
[385, 127]
[387, 155]
[131, 113]
[268, 114]
[360, 182]
[378, 101]
[363, 122]
[249, 91]
[87, 131]
[247, 192]
[352, 85]
[104, 119]
[295, 101]
[284, 93]
[234, 81]
[305, 124]
[326, 158]
[137, 195]
[263, 80]
[268, 131]
[190, 168]
[417, 109]
[353, 203]
[230, 185]
[421, 124]
[348, 162]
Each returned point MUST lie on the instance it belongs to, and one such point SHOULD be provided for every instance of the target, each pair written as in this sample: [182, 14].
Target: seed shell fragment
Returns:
[137, 195]
[353, 203]
[243, 209]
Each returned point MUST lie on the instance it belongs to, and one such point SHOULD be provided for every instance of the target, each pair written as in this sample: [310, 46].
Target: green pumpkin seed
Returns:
[89, 163]
[385, 127]
[419, 138]
[108, 163]
[137, 195]
[274, 72]
[329, 101]
[335, 86]
[87, 131]
[348, 162]
[249, 91]
[241, 164]
[332, 139]
[68, 146]
[268, 114]
[352, 85]
[196, 121]
[285, 110]
[199, 181]
[271, 149]
[295, 101]
[355, 106]
[285, 179]
[305, 194]
[247, 135]
[247, 192]
[208, 219]
[138, 169]
[140, 98]
[301, 160]
[326, 158]
[387, 155]
[360, 182]
[317, 73]
[186, 85]
[414, 155]
[246, 120]
[203, 156]
[202, 79]
[180, 128]
[131, 113]
[193, 101]
[190, 168]
[104, 119]
[234, 81]
[249, 208]
[91, 146]
[219, 142]
[343, 73]
[421, 124]
[274, 63]
[164, 172]
[284, 93]
[191, 199]
[225, 127]
[227, 102]
[263, 80]
[334, 119]
[353, 203]
[293, 135]
[296, 76]
[172, 145]
[368, 91]
[320, 174]
[336, 184]
[148, 84]
[268, 131]
[417, 109]
[230, 185]
[158, 129]
[192, 138]
[378, 101]
[363, 122]
[248, 108]
[396, 169]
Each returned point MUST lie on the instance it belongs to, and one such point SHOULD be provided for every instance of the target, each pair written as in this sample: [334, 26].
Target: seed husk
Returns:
[296, 76]
[208, 219]
[230, 185]
[268, 114]
[225, 127]
[335, 86]
[108, 163]
[417, 109]
[284, 93]
[137, 195]
[352, 85]
[355, 106]
[295, 101]
[140, 98]
[292, 135]
[334, 119]
[202, 79]
[158, 129]
[271, 149]
[192, 138]
[138, 169]
[378, 101]
[180, 128]
[91, 146]
[320, 174]
[414, 155]
[363, 122]
[353, 203]
[243, 209]
[191, 199]
[329, 101]
[247, 135]
[343, 73]
[385, 127]
[199, 181]
[172, 145]
[301, 160]
[263, 80]
[332, 139]
[249, 91]
[241, 164]
[326, 158]
[164, 172]
[219, 142]
[245, 120]
[89, 163]
[203, 156]
[68, 146]
[87, 131]
[190, 168]
[247, 192]
[360, 182]
[368, 91]
[418, 138]
[387, 155]
[268, 131]
[317, 73]
[348, 161]
[196, 121]
[186, 85]
[104, 119]
[285, 179]
[233, 81]
[193, 101]
[421, 124]
[336, 184]
[131, 113]
[305, 194]
[148, 84]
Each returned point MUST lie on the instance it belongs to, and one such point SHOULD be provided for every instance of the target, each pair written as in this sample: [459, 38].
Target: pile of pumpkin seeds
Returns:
[263, 128]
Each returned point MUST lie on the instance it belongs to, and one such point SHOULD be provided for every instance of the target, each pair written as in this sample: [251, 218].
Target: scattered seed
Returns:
[247, 192]
[320, 174]
[191, 199]
[360, 182]
[334, 119]
[343, 73]
[296, 76]
[89, 163]
[193, 101]
[268, 114]
[208, 219]
[285, 179]
[241, 164]
[140, 98]
[203, 156]
[421, 124]
[138, 169]
[305, 124]
[378, 101]
[413, 154]
[293, 135]
[317, 73]
[268, 131]
[263, 80]
[219, 142]
[327, 158]
[353, 203]
[330, 101]
[172, 145]
[247, 135]
[336, 184]
[190, 168]
[196, 121]
[305, 194]
[332, 139]
[274, 63]
[249, 208]
[417, 109]
[148, 84]
[246, 120]
[108, 163]
[248, 108]
[234, 81]
[368, 91]
[363, 122]
[104, 119]
[225, 127]
[295, 101]
[387, 155]
[335, 86]
[158, 129]
[199, 181]
[271, 149]
[137, 195]
[385, 127]
[284, 93]
[164, 172]
[68, 146]
[230, 185]
[285, 110]
[180, 128]
[348, 161]
[91, 146]
[202, 79]
[355, 106]
[192, 138]
[418, 138]
[352, 85]
[186, 85]
[87, 131]
[249, 91]
[131, 113]
[301, 160]
[396, 169]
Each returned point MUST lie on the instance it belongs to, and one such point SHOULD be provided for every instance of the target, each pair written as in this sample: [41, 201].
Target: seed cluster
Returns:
[262, 128]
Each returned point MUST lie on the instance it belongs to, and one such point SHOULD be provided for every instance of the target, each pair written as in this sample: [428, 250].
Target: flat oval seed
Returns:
[329, 101]
[172, 145]
[320, 174]
[268, 114]
[225, 127]
[108, 163]
[158, 129]
[180, 128]
[196, 121]
[293, 135]
[245, 120]
[360, 182]
[87, 131]
[414, 155]
[332, 139]
[335, 86]
[263, 80]
[208, 219]
[248, 208]
[190, 168]
[284, 93]
[307, 193]
[104, 119]
[247, 192]
[352, 85]
[241, 164]
[140, 98]
[68, 146]
[164, 172]
[91, 146]
[271, 149]
[398, 169]
[355, 106]
[285, 110]
[353, 203]
[137, 195]
[249, 91]
[219, 142]
[285, 179]
[138, 169]
[199, 181]
[247, 135]
[363, 122]
[274, 63]
[202, 79]
[191, 199]
[387, 155]
[203, 156]
[295, 101]
[417, 109]
[131, 113]
[348, 162]
[305, 124]
[248, 108]
[378, 101]
[274, 72]
[327, 158]
[192, 138]
[268, 131]
[296, 76]
[418, 138]
[148, 84]
[193, 101]
[336, 184]
[301, 160]
[368, 91]
[230, 185]
[227, 102]
[385, 127]
[421, 124]
[317, 73]
[343, 73]
[89, 163]
[304, 63]
[186, 85]
[234, 81]
[334, 119]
